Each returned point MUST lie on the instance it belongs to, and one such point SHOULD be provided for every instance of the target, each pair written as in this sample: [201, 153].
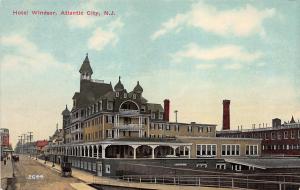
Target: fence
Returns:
[208, 181]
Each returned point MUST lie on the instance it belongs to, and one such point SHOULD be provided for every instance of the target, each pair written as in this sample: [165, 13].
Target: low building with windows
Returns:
[116, 123]
[280, 139]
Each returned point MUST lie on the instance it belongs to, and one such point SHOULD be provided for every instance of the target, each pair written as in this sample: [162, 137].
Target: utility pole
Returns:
[30, 138]
[21, 148]
[24, 143]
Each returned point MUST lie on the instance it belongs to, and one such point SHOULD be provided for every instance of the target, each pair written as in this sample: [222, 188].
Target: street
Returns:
[32, 175]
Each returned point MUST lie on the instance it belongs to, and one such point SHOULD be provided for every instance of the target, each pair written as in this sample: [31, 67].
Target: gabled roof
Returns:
[86, 67]
[155, 107]
[90, 91]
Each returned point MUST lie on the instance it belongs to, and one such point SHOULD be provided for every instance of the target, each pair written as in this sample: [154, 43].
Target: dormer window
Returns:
[143, 108]
[110, 105]
[125, 95]
[152, 115]
[100, 105]
[117, 94]
[160, 115]
[134, 96]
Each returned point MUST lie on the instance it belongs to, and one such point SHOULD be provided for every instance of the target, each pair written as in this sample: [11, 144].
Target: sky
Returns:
[195, 53]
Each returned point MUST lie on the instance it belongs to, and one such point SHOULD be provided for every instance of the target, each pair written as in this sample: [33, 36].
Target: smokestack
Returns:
[226, 114]
[166, 110]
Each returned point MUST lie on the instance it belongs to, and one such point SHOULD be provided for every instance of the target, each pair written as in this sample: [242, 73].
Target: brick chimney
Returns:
[166, 110]
[226, 115]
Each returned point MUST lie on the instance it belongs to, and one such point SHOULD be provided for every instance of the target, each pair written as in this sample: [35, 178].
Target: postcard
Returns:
[140, 94]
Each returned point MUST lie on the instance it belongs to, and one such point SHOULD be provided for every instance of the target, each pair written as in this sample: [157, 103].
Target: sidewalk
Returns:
[90, 178]
[6, 172]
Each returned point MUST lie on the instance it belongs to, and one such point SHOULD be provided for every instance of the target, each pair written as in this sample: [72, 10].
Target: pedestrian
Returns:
[4, 161]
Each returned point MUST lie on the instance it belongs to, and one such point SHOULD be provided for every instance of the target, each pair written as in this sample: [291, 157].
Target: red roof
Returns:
[41, 143]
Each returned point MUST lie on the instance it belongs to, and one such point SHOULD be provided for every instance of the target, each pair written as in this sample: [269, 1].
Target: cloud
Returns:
[233, 66]
[224, 52]
[101, 38]
[205, 66]
[24, 54]
[240, 22]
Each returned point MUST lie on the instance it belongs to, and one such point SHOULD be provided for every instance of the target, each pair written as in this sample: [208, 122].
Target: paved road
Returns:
[46, 179]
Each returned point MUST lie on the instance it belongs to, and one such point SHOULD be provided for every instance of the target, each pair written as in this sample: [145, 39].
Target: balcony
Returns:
[129, 127]
[129, 112]
[76, 130]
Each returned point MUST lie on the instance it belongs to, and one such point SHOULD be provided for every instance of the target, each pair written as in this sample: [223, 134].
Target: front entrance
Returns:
[99, 168]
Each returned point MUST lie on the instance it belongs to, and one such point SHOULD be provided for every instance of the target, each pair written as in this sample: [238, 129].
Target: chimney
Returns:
[166, 109]
[226, 115]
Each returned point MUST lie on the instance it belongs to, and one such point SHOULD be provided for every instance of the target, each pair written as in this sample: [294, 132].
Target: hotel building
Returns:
[112, 122]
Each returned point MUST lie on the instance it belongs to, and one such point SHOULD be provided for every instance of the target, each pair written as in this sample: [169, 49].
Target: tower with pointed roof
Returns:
[66, 117]
[292, 120]
[119, 86]
[86, 70]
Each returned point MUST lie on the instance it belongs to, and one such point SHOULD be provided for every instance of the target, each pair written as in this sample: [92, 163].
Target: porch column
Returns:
[184, 151]
[174, 150]
[134, 150]
[92, 151]
[97, 152]
[103, 149]
[153, 148]
[139, 126]
[148, 125]
[189, 151]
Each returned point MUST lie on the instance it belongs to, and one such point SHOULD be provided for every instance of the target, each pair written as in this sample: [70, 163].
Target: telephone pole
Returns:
[30, 146]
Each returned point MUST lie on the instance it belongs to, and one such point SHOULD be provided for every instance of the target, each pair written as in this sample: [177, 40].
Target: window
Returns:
[266, 136]
[152, 126]
[100, 106]
[110, 105]
[168, 128]
[152, 136]
[143, 108]
[108, 134]
[125, 95]
[230, 149]
[208, 129]
[251, 150]
[160, 115]
[134, 96]
[200, 129]
[201, 165]
[107, 168]
[273, 136]
[286, 134]
[278, 135]
[160, 127]
[152, 115]
[292, 134]
[206, 149]
[298, 134]
[117, 94]
[221, 166]
[189, 129]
